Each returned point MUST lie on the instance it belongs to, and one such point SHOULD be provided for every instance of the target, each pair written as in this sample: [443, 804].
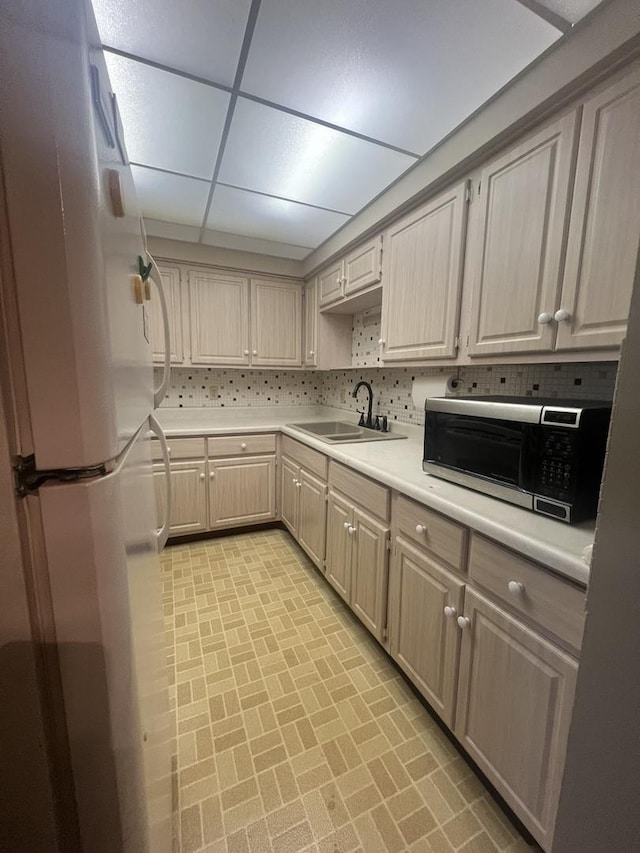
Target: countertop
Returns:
[398, 464]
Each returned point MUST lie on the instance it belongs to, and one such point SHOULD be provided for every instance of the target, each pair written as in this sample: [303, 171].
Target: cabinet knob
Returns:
[246, 352]
[420, 529]
[255, 352]
[169, 451]
[381, 342]
[545, 318]
[346, 525]
[464, 621]
[311, 352]
[516, 588]
[202, 476]
[298, 484]
[561, 315]
[450, 612]
[294, 481]
[351, 530]
[212, 474]
[338, 281]
[243, 446]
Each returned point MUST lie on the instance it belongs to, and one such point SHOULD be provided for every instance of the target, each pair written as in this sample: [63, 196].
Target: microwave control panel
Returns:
[555, 476]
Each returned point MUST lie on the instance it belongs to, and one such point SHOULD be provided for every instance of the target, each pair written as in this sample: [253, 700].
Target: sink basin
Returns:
[334, 432]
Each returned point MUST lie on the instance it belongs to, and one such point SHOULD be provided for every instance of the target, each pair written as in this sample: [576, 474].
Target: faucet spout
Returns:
[354, 393]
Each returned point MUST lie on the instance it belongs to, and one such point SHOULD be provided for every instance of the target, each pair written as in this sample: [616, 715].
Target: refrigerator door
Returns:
[101, 550]
[75, 237]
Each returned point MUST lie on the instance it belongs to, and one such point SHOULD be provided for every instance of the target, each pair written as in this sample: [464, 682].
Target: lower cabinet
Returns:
[357, 561]
[303, 509]
[241, 491]
[424, 638]
[515, 697]
[188, 496]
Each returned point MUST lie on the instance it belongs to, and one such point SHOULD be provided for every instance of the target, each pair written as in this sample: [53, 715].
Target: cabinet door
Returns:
[515, 697]
[423, 641]
[276, 323]
[219, 314]
[312, 524]
[369, 572]
[515, 253]
[338, 566]
[241, 491]
[289, 494]
[188, 496]
[331, 284]
[310, 348]
[605, 220]
[363, 266]
[423, 279]
[173, 295]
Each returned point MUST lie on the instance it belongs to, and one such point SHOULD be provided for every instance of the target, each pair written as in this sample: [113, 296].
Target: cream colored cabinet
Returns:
[423, 261]
[276, 323]
[605, 220]
[514, 259]
[310, 332]
[338, 561]
[515, 697]
[218, 313]
[304, 509]
[360, 269]
[173, 295]
[188, 496]
[241, 491]
[424, 638]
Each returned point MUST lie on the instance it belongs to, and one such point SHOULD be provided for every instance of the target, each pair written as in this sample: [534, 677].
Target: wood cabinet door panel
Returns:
[369, 573]
[339, 542]
[241, 491]
[423, 261]
[605, 220]
[173, 295]
[516, 252]
[188, 497]
[423, 641]
[515, 698]
[331, 284]
[289, 495]
[312, 517]
[276, 323]
[362, 266]
[219, 314]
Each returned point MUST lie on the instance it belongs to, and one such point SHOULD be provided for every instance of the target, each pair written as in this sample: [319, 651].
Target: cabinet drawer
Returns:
[234, 445]
[554, 604]
[443, 538]
[316, 463]
[179, 448]
[361, 490]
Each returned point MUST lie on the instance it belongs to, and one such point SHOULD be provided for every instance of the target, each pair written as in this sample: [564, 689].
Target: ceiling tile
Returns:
[252, 244]
[406, 72]
[268, 218]
[277, 153]
[170, 198]
[169, 122]
[571, 10]
[202, 37]
[171, 231]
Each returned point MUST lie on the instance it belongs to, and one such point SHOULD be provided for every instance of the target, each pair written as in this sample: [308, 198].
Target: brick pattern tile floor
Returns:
[295, 732]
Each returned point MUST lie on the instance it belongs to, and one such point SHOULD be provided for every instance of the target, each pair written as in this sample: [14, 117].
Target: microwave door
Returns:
[484, 447]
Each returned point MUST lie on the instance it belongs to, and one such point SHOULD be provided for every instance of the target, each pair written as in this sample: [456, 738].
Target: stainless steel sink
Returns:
[334, 432]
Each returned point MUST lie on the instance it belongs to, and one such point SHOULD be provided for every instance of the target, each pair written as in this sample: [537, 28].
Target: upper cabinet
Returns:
[219, 315]
[423, 279]
[340, 285]
[605, 220]
[516, 250]
[276, 323]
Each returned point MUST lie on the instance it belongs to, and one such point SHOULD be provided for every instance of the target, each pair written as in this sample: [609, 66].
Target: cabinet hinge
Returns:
[326, 499]
[456, 343]
[385, 633]
[388, 546]
[468, 193]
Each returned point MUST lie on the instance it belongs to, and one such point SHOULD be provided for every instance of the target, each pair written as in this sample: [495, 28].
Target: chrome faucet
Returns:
[368, 423]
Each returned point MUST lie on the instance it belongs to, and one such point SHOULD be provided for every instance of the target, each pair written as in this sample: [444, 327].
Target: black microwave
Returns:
[541, 454]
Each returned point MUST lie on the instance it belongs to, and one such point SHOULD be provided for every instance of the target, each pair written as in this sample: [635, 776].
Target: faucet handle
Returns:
[361, 421]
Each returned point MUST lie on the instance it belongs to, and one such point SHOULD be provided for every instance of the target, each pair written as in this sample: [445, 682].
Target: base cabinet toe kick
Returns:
[488, 637]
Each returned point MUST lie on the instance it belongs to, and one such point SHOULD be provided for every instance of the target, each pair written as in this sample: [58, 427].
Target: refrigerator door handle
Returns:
[163, 532]
[161, 391]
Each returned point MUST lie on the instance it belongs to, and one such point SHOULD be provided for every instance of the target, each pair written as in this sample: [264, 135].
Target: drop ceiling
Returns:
[268, 124]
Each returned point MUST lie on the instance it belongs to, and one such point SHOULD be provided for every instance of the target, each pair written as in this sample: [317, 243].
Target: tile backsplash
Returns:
[392, 386]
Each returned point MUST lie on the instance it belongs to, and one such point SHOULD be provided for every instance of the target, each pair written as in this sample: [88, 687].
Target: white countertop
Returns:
[398, 464]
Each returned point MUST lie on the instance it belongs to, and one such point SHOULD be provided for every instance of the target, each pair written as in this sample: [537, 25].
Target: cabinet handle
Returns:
[294, 481]
[450, 612]
[420, 529]
[545, 318]
[561, 315]
[338, 281]
[202, 476]
[516, 588]
[246, 352]
[351, 530]
[464, 621]
[255, 352]
[212, 474]
[169, 451]
[381, 342]
[311, 352]
[243, 446]
[346, 525]
[298, 484]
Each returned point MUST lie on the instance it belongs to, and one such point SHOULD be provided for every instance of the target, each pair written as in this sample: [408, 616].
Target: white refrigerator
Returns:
[78, 398]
